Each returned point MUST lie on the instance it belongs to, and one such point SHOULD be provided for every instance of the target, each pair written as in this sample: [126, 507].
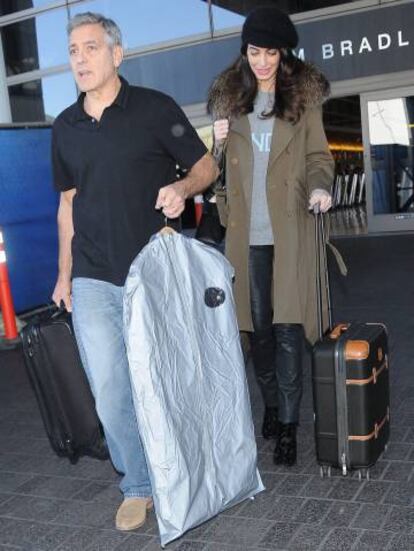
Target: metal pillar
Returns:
[5, 111]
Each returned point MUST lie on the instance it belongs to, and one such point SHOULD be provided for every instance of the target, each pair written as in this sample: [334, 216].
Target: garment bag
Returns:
[189, 384]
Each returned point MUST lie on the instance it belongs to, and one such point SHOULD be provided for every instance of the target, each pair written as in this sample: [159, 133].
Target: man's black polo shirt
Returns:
[117, 166]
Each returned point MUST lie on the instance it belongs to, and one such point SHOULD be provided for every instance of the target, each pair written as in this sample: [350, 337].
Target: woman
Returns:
[267, 111]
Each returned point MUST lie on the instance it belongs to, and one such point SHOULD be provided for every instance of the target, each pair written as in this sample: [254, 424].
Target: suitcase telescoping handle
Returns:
[321, 262]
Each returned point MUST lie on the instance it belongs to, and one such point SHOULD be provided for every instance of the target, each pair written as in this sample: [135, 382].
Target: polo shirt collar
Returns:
[121, 100]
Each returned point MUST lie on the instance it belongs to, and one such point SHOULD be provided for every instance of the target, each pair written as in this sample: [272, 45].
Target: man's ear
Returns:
[118, 55]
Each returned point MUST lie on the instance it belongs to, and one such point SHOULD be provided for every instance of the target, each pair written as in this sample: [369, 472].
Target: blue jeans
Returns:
[98, 324]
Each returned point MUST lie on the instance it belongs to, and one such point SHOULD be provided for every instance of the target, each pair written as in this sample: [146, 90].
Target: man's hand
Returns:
[171, 199]
[63, 292]
[322, 197]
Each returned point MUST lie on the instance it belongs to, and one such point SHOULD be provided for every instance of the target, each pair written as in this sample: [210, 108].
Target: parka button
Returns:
[233, 224]
[234, 161]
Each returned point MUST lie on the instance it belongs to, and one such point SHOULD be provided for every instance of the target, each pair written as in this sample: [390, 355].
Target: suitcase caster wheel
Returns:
[363, 473]
[325, 471]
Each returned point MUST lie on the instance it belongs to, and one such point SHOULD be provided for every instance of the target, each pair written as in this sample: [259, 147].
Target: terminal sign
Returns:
[360, 44]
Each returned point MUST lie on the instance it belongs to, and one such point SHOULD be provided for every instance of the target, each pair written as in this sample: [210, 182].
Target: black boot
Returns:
[270, 427]
[285, 451]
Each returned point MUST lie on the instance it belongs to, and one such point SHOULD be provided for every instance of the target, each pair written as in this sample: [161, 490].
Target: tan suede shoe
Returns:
[132, 513]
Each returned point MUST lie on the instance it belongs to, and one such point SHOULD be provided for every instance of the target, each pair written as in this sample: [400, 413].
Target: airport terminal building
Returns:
[365, 47]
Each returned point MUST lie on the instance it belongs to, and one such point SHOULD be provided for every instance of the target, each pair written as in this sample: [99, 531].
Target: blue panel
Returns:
[28, 207]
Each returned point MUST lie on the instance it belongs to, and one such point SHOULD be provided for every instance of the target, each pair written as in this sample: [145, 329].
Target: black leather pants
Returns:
[276, 349]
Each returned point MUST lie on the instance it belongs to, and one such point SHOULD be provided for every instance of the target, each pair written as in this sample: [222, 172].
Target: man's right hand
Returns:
[221, 129]
[63, 292]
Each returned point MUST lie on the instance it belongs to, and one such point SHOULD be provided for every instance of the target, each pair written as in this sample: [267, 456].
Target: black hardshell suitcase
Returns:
[61, 388]
[350, 380]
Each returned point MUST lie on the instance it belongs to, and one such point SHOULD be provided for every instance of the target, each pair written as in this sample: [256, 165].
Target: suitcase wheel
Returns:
[325, 470]
[363, 473]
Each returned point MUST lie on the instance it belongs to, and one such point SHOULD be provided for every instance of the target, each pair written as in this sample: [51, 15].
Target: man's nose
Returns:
[80, 58]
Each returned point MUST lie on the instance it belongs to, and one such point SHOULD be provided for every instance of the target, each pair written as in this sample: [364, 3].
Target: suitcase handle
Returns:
[338, 330]
[58, 310]
[321, 263]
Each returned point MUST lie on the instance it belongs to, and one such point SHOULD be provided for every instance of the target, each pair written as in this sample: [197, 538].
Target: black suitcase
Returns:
[61, 388]
[350, 380]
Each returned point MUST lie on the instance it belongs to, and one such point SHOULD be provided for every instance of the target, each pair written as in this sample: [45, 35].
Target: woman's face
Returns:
[264, 63]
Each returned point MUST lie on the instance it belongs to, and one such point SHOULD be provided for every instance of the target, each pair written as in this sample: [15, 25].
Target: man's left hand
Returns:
[171, 199]
[322, 197]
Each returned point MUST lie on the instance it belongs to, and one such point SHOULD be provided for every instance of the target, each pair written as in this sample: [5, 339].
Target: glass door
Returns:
[388, 123]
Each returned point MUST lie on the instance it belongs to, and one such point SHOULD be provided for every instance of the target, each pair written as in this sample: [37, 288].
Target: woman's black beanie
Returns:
[268, 27]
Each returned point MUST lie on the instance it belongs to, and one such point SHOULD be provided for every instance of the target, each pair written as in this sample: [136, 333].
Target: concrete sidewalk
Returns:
[48, 504]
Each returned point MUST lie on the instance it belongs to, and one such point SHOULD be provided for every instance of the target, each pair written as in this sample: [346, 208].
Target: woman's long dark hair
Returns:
[240, 89]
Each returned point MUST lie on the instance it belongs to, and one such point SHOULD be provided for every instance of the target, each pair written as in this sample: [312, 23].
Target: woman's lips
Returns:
[262, 72]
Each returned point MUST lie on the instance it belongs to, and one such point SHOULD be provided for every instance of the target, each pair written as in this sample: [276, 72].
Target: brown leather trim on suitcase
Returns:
[338, 330]
[374, 433]
[356, 350]
[375, 374]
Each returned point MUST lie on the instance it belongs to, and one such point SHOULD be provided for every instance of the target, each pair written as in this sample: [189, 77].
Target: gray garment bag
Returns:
[189, 383]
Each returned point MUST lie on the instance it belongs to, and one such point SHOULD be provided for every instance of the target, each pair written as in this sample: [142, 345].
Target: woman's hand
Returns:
[220, 129]
[322, 197]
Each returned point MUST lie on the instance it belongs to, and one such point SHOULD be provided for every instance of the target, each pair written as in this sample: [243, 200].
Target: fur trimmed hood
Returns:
[312, 86]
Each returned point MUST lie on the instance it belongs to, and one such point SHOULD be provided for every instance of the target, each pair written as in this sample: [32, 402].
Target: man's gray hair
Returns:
[112, 31]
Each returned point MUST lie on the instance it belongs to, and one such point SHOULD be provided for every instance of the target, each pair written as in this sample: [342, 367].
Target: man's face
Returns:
[93, 60]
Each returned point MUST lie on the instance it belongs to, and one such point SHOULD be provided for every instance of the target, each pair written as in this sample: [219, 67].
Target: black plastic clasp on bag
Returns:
[214, 296]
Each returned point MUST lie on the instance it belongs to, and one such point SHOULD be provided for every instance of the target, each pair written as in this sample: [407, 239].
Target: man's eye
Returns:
[72, 52]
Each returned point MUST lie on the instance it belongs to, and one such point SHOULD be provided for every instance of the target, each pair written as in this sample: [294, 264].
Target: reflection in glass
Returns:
[39, 101]
[225, 18]
[145, 23]
[11, 6]
[26, 102]
[243, 7]
[59, 91]
[391, 124]
[35, 43]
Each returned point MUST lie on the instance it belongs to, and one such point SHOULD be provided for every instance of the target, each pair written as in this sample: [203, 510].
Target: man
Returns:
[114, 158]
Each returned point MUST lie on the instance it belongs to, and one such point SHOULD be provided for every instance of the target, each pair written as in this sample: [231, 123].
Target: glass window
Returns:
[11, 6]
[35, 43]
[144, 23]
[59, 91]
[224, 18]
[42, 100]
[391, 127]
[26, 102]
[243, 7]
